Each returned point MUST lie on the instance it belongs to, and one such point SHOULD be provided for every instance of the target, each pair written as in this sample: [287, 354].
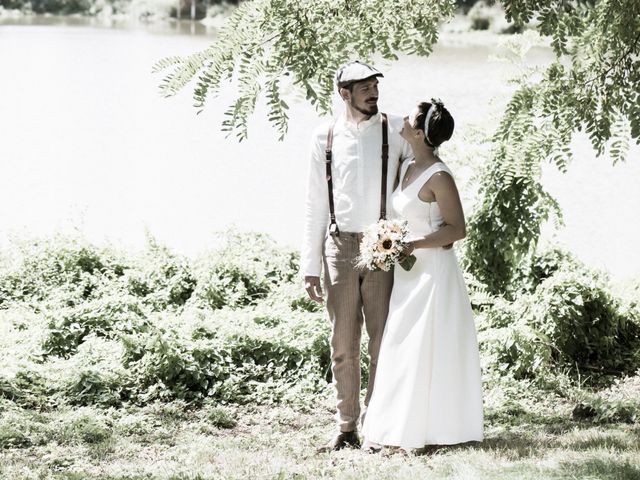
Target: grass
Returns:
[170, 441]
[103, 411]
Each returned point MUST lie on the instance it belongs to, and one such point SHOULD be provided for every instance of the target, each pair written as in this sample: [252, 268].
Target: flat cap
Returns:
[355, 72]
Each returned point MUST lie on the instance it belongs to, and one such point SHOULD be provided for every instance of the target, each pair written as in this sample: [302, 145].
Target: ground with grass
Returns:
[171, 441]
[154, 366]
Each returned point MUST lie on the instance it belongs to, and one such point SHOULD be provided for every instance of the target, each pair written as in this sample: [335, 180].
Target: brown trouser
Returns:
[353, 295]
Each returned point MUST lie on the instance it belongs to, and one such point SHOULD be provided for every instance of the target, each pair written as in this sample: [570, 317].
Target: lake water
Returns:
[89, 145]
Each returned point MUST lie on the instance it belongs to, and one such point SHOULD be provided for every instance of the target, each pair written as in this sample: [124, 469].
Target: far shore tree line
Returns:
[181, 9]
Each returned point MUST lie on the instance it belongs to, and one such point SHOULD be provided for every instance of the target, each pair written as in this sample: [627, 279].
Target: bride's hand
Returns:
[408, 250]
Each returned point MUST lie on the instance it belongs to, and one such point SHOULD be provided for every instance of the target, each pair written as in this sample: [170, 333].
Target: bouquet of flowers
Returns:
[382, 245]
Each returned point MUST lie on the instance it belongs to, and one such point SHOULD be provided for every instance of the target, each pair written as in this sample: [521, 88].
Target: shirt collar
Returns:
[362, 126]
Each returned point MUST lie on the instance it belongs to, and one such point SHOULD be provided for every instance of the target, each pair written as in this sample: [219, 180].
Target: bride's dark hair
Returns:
[441, 123]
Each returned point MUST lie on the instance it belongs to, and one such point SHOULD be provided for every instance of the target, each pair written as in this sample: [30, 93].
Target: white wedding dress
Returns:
[428, 389]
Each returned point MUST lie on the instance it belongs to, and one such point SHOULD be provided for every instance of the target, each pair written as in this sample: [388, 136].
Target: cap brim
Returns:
[346, 83]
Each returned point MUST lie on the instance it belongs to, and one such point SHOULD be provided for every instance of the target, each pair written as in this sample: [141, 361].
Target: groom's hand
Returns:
[312, 286]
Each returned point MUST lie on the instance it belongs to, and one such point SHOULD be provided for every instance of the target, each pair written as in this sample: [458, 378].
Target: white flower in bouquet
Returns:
[382, 245]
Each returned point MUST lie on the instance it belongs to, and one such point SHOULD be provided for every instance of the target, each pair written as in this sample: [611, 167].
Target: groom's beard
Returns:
[365, 109]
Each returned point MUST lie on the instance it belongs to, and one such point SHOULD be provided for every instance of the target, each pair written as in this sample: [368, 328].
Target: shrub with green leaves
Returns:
[157, 327]
[27, 388]
[569, 320]
[95, 375]
[63, 271]
[619, 403]
[82, 425]
[221, 417]
[544, 264]
[160, 278]
[587, 324]
[21, 429]
[228, 356]
[243, 271]
[106, 317]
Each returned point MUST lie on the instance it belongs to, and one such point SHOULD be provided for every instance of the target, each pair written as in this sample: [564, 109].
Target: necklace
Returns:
[408, 179]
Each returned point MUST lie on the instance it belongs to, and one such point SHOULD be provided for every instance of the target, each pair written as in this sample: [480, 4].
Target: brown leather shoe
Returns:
[340, 441]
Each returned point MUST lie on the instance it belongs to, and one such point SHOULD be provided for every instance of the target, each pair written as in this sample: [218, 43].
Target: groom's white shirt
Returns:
[356, 168]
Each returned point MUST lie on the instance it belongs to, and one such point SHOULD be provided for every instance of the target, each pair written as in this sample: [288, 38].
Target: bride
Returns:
[428, 389]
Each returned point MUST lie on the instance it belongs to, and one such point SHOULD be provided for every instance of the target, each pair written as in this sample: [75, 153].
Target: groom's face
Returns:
[364, 96]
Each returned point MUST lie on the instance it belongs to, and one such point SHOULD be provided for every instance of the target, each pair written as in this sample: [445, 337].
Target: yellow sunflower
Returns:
[385, 244]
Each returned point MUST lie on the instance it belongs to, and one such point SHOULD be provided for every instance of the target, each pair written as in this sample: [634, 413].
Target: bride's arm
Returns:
[442, 186]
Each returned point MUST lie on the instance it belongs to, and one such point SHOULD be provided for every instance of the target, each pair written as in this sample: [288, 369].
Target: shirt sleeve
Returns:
[316, 216]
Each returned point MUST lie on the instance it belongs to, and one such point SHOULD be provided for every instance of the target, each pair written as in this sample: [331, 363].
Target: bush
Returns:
[64, 271]
[228, 356]
[106, 317]
[27, 388]
[510, 344]
[160, 278]
[480, 15]
[94, 339]
[619, 403]
[95, 375]
[586, 324]
[221, 417]
[545, 264]
[245, 270]
[21, 429]
[63, 7]
[568, 320]
[82, 425]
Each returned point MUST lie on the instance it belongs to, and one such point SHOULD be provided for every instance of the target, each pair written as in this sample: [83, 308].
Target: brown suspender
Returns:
[333, 226]
[385, 162]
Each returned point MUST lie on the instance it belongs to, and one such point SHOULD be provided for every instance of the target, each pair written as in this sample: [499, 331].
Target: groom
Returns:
[348, 185]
